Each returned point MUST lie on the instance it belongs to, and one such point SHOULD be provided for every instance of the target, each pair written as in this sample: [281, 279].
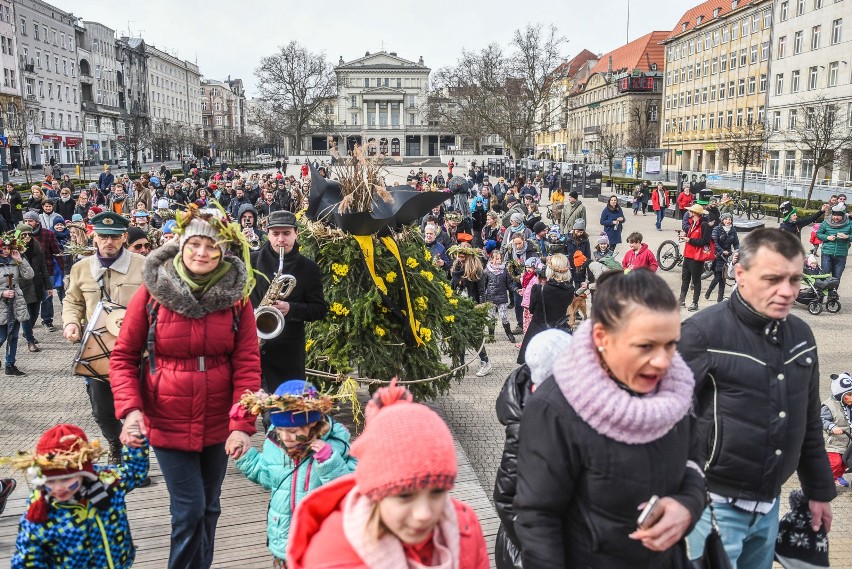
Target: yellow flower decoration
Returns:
[390, 277]
[427, 275]
[450, 318]
[339, 310]
[421, 303]
[308, 345]
[379, 331]
[427, 254]
[448, 290]
[426, 334]
[454, 301]
[339, 269]
[412, 263]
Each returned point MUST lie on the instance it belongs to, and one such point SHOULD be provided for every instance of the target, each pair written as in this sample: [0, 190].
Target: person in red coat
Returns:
[193, 316]
[684, 200]
[659, 203]
[638, 254]
[395, 510]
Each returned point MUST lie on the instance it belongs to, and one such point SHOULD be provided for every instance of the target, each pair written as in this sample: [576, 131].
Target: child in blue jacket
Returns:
[304, 449]
[76, 517]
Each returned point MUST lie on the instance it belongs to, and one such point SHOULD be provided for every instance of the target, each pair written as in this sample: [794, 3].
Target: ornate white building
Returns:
[382, 96]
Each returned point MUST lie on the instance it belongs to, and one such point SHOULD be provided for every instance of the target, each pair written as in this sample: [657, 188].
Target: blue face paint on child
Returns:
[63, 489]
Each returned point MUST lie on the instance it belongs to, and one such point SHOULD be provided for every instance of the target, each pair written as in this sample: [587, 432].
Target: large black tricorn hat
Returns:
[408, 206]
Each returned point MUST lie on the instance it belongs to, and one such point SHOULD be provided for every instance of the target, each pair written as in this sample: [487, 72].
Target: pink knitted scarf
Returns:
[612, 411]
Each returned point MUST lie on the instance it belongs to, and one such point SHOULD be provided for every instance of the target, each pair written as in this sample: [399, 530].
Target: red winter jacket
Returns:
[655, 200]
[684, 200]
[317, 540]
[185, 403]
[642, 258]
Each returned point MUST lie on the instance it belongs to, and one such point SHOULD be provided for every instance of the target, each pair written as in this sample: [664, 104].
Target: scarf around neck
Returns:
[613, 411]
[198, 285]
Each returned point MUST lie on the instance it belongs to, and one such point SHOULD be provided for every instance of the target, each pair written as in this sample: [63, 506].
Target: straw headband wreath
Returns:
[255, 403]
[465, 249]
[75, 458]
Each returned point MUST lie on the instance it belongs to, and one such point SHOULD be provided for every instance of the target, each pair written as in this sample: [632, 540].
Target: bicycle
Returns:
[670, 256]
[746, 208]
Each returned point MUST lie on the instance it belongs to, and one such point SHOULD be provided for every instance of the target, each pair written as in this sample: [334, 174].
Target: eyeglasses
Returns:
[109, 237]
[140, 246]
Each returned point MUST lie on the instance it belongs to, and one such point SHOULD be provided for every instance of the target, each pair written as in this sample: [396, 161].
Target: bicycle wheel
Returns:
[739, 209]
[708, 270]
[668, 255]
[758, 212]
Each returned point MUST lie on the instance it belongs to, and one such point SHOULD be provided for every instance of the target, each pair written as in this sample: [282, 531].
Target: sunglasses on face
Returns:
[140, 246]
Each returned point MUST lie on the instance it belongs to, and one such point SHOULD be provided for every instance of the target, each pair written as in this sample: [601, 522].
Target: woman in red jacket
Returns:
[395, 510]
[698, 248]
[193, 316]
[684, 200]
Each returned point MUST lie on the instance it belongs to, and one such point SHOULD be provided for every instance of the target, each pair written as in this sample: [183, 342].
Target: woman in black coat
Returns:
[609, 429]
[549, 302]
[34, 288]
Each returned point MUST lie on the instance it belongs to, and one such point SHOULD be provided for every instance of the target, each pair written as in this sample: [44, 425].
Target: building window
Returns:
[816, 32]
[218, 120]
[721, 91]
[749, 116]
[714, 65]
[776, 120]
[733, 60]
[818, 4]
[741, 87]
[411, 119]
[792, 119]
[836, 31]
[745, 27]
[833, 71]
[782, 47]
[753, 57]
[739, 117]
[764, 51]
[762, 84]
[800, 7]
[794, 82]
[751, 85]
[743, 57]
[798, 39]
[723, 63]
[767, 19]
[813, 75]
[731, 88]
[730, 119]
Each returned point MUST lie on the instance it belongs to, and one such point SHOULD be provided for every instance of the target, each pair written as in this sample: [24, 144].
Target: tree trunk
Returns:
[610, 168]
[742, 180]
[811, 188]
[297, 143]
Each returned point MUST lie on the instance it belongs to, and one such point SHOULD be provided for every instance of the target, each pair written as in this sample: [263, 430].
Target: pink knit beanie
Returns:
[405, 446]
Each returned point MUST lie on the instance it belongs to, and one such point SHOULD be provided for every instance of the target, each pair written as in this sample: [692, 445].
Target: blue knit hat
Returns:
[490, 245]
[298, 387]
[169, 226]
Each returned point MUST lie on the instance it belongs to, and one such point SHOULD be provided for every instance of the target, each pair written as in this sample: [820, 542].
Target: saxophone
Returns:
[269, 320]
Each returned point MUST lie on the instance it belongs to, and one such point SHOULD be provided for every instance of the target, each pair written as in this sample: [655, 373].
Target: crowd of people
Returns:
[631, 389]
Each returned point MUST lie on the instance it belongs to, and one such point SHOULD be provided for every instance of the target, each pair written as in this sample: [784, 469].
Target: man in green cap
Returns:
[113, 273]
[790, 221]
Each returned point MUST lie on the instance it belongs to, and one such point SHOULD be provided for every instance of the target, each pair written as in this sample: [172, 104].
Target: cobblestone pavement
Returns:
[48, 394]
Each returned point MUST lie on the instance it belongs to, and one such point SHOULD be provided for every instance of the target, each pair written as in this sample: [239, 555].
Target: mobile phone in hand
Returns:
[651, 514]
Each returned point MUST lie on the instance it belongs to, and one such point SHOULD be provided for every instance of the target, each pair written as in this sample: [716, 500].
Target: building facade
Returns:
[622, 82]
[716, 77]
[223, 116]
[174, 100]
[810, 58]
[381, 97]
[10, 89]
[45, 37]
[132, 59]
[101, 87]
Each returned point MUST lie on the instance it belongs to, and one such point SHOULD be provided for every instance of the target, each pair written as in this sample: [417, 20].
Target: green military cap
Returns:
[109, 223]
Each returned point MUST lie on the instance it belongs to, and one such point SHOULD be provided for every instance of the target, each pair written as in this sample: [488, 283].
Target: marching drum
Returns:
[98, 341]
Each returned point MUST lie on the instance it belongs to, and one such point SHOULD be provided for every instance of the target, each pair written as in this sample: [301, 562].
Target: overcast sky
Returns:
[228, 37]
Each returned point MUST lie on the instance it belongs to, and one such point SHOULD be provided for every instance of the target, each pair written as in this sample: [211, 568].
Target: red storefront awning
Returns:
[72, 141]
[51, 138]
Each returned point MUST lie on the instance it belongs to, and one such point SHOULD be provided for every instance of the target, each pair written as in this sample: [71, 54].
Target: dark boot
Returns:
[508, 330]
[12, 370]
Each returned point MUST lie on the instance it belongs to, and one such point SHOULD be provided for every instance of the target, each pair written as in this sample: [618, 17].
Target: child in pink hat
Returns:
[395, 511]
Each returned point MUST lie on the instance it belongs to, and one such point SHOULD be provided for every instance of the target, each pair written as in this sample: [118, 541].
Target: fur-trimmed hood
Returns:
[163, 283]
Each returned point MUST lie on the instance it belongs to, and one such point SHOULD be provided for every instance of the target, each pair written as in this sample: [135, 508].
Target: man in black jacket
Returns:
[283, 358]
[791, 222]
[757, 402]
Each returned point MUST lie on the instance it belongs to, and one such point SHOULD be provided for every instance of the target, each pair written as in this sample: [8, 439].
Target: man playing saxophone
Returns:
[283, 357]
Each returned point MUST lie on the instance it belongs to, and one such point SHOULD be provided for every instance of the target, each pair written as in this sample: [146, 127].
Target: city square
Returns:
[374, 180]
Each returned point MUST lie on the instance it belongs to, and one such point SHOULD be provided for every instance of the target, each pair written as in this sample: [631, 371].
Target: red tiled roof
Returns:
[638, 54]
[705, 9]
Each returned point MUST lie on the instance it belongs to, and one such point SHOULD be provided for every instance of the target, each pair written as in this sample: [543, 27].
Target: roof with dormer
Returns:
[640, 54]
[703, 14]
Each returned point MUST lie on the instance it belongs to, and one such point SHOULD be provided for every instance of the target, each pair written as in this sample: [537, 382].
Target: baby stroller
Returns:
[819, 290]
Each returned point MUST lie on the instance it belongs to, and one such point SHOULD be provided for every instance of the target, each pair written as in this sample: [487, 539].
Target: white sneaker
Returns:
[484, 369]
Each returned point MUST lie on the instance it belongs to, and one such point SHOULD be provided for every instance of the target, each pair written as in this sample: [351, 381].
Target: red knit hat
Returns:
[405, 446]
[65, 438]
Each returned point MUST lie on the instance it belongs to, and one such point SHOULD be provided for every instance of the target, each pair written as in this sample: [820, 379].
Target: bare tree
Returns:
[506, 91]
[611, 144]
[643, 132]
[19, 123]
[138, 136]
[296, 84]
[821, 133]
[271, 125]
[443, 111]
[746, 143]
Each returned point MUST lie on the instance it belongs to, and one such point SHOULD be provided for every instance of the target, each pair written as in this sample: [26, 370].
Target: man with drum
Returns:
[112, 274]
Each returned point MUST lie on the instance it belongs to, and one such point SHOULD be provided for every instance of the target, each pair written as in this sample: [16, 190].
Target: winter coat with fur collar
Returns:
[205, 352]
